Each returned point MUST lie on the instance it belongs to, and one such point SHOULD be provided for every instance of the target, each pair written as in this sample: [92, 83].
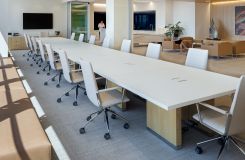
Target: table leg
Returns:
[166, 124]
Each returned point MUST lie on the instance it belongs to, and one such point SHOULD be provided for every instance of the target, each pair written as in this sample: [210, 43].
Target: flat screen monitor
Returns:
[37, 21]
[98, 17]
[145, 20]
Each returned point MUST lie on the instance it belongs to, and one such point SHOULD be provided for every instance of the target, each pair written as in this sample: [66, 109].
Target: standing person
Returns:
[101, 26]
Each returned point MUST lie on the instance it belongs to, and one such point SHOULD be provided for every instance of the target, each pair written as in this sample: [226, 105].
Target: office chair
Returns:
[36, 52]
[106, 42]
[225, 123]
[73, 36]
[153, 50]
[71, 76]
[44, 58]
[103, 99]
[92, 39]
[27, 46]
[126, 46]
[197, 58]
[81, 38]
[55, 65]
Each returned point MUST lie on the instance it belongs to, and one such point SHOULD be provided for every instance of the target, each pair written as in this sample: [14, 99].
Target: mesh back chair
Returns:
[225, 123]
[153, 50]
[197, 58]
[92, 39]
[73, 36]
[126, 46]
[44, 57]
[103, 99]
[106, 42]
[81, 38]
[71, 76]
[55, 65]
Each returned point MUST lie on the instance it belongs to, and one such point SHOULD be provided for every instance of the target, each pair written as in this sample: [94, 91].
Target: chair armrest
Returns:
[108, 89]
[99, 78]
[76, 70]
[214, 108]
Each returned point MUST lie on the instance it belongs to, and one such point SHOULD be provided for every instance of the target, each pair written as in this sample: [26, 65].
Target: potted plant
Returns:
[174, 30]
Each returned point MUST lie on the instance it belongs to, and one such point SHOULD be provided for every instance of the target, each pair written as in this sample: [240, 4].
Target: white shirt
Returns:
[101, 26]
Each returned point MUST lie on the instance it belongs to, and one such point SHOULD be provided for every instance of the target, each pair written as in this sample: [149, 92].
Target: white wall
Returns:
[16, 8]
[4, 18]
[184, 11]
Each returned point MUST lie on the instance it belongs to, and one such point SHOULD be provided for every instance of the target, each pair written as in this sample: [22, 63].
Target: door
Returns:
[78, 14]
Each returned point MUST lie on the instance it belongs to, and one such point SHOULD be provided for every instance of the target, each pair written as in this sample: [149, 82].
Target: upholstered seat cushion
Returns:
[213, 120]
[21, 134]
[58, 66]
[76, 77]
[111, 98]
[6, 62]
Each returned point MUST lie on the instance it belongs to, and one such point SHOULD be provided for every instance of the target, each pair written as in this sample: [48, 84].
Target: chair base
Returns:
[114, 115]
[76, 87]
[223, 140]
[53, 79]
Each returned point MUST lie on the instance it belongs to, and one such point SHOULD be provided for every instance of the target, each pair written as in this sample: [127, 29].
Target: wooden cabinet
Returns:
[16, 43]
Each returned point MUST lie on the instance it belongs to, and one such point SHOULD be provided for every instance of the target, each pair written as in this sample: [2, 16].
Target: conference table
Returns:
[167, 87]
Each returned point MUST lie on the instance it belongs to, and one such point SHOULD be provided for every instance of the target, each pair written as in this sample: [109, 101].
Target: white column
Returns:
[118, 21]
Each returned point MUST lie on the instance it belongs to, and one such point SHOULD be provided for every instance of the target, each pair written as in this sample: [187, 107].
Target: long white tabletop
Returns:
[165, 84]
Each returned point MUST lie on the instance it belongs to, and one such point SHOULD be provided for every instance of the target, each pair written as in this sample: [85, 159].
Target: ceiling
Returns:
[207, 1]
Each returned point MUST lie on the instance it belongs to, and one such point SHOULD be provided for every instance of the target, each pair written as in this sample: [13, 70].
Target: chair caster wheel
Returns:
[198, 150]
[113, 116]
[53, 79]
[31, 65]
[27, 59]
[57, 86]
[44, 70]
[107, 136]
[126, 126]
[59, 100]
[39, 66]
[38, 72]
[89, 118]
[82, 130]
[45, 83]
[67, 94]
[85, 93]
[48, 74]
[36, 63]
[75, 103]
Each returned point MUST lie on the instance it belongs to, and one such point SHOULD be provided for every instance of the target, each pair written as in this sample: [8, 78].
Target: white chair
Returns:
[4, 50]
[126, 46]
[103, 99]
[71, 76]
[81, 38]
[73, 36]
[31, 48]
[226, 123]
[106, 42]
[197, 58]
[44, 57]
[27, 46]
[153, 50]
[36, 52]
[55, 65]
[92, 39]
